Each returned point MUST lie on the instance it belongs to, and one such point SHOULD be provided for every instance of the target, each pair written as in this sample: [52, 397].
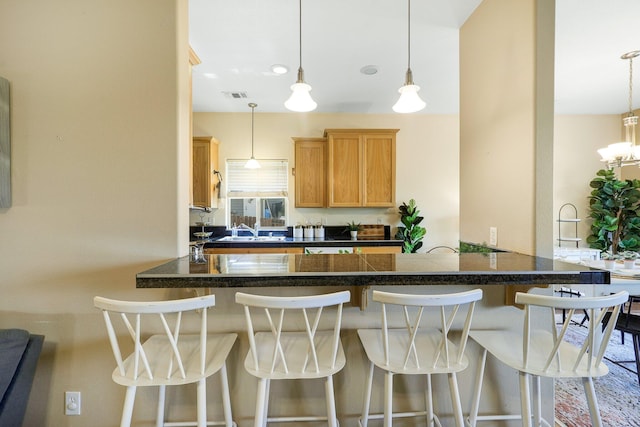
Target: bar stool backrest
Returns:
[447, 351]
[302, 342]
[542, 349]
[170, 359]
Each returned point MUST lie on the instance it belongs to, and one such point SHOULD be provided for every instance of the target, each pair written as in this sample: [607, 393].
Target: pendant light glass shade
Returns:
[300, 99]
[409, 101]
[252, 163]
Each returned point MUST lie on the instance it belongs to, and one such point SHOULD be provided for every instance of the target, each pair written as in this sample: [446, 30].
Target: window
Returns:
[257, 196]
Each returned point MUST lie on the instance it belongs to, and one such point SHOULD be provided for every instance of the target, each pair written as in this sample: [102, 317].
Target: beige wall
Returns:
[99, 182]
[426, 153]
[506, 117]
[575, 163]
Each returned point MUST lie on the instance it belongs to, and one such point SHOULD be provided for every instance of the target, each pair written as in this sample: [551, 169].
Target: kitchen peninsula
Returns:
[302, 274]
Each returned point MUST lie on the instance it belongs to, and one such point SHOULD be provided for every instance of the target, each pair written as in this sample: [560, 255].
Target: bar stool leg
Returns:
[201, 399]
[475, 405]
[261, 403]
[160, 411]
[331, 402]
[592, 402]
[537, 401]
[455, 399]
[388, 399]
[525, 399]
[429, 401]
[226, 399]
[127, 410]
[364, 418]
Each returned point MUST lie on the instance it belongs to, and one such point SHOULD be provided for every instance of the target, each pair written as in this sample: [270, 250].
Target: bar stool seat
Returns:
[543, 352]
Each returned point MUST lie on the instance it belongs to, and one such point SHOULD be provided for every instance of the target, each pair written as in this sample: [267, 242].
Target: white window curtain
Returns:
[271, 180]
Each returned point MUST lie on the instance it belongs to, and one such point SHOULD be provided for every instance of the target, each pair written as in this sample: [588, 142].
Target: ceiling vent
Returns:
[235, 95]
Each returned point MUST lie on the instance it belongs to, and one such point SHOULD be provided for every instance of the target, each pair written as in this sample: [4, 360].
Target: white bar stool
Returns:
[168, 358]
[543, 352]
[305, 345]
[418, 348]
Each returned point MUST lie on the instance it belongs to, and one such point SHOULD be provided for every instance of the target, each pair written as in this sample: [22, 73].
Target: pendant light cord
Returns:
[252, 132]
[409, 35]
[300, 32]
[253, 106]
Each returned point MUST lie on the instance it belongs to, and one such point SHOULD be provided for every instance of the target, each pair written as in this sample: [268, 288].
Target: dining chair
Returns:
[167, 358]
[629, 323]
[302, 342]
[542, 351]
[421, 346]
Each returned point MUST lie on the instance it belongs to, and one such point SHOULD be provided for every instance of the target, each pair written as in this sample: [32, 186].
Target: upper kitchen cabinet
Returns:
[310, 172]
[361, 167]
[205, 162]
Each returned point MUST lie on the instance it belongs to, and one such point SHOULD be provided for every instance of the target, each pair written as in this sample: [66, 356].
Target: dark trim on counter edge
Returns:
[342, 279]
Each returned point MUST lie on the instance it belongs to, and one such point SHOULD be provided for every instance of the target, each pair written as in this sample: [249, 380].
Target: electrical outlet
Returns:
[493, 236]
[72, 403]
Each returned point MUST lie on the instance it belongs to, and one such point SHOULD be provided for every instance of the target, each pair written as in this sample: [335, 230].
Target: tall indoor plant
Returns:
[614, 209]
[410, 231]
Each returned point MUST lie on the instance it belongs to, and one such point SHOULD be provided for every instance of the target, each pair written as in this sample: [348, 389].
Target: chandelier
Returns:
[625, 153]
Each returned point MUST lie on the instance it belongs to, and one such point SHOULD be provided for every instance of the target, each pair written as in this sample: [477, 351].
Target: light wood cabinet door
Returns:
[379, 170]
[344, 180]
[362, 167]
[205, 161]
[310, 172]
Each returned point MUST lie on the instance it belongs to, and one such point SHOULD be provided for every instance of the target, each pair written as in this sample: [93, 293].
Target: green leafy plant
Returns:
[614, 209]
[353, 226]
[474, 247]
[410, 232]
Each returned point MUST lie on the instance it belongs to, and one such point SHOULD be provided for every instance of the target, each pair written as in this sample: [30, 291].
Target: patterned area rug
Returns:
[618, 392]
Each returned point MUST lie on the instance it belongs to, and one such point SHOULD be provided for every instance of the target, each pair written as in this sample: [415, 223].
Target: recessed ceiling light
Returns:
[279, 69]
[210, 75]
[369, 70]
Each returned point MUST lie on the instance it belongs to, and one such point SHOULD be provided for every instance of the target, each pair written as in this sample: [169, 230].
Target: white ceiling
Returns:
[239, 40]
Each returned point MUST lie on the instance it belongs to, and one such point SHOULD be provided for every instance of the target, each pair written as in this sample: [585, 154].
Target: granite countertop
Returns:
[269, 270]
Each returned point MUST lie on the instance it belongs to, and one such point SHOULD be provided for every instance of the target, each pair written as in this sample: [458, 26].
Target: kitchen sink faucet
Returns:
[253, 231]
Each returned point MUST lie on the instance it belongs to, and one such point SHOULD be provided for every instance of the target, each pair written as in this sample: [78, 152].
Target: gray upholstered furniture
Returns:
[19, 352]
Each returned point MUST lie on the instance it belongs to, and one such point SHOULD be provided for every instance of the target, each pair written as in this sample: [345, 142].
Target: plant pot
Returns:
[609, 264]
[354, 235]
[629, 263]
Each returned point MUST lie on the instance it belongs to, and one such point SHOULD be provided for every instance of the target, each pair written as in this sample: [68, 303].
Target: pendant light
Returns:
[300, 99]
[252, 163]
[409, 101]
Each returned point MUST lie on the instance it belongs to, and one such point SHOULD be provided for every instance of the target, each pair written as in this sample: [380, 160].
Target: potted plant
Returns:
[629, 258]
[614, 209]
[353, 228]
[410, 231]
[610, 259]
